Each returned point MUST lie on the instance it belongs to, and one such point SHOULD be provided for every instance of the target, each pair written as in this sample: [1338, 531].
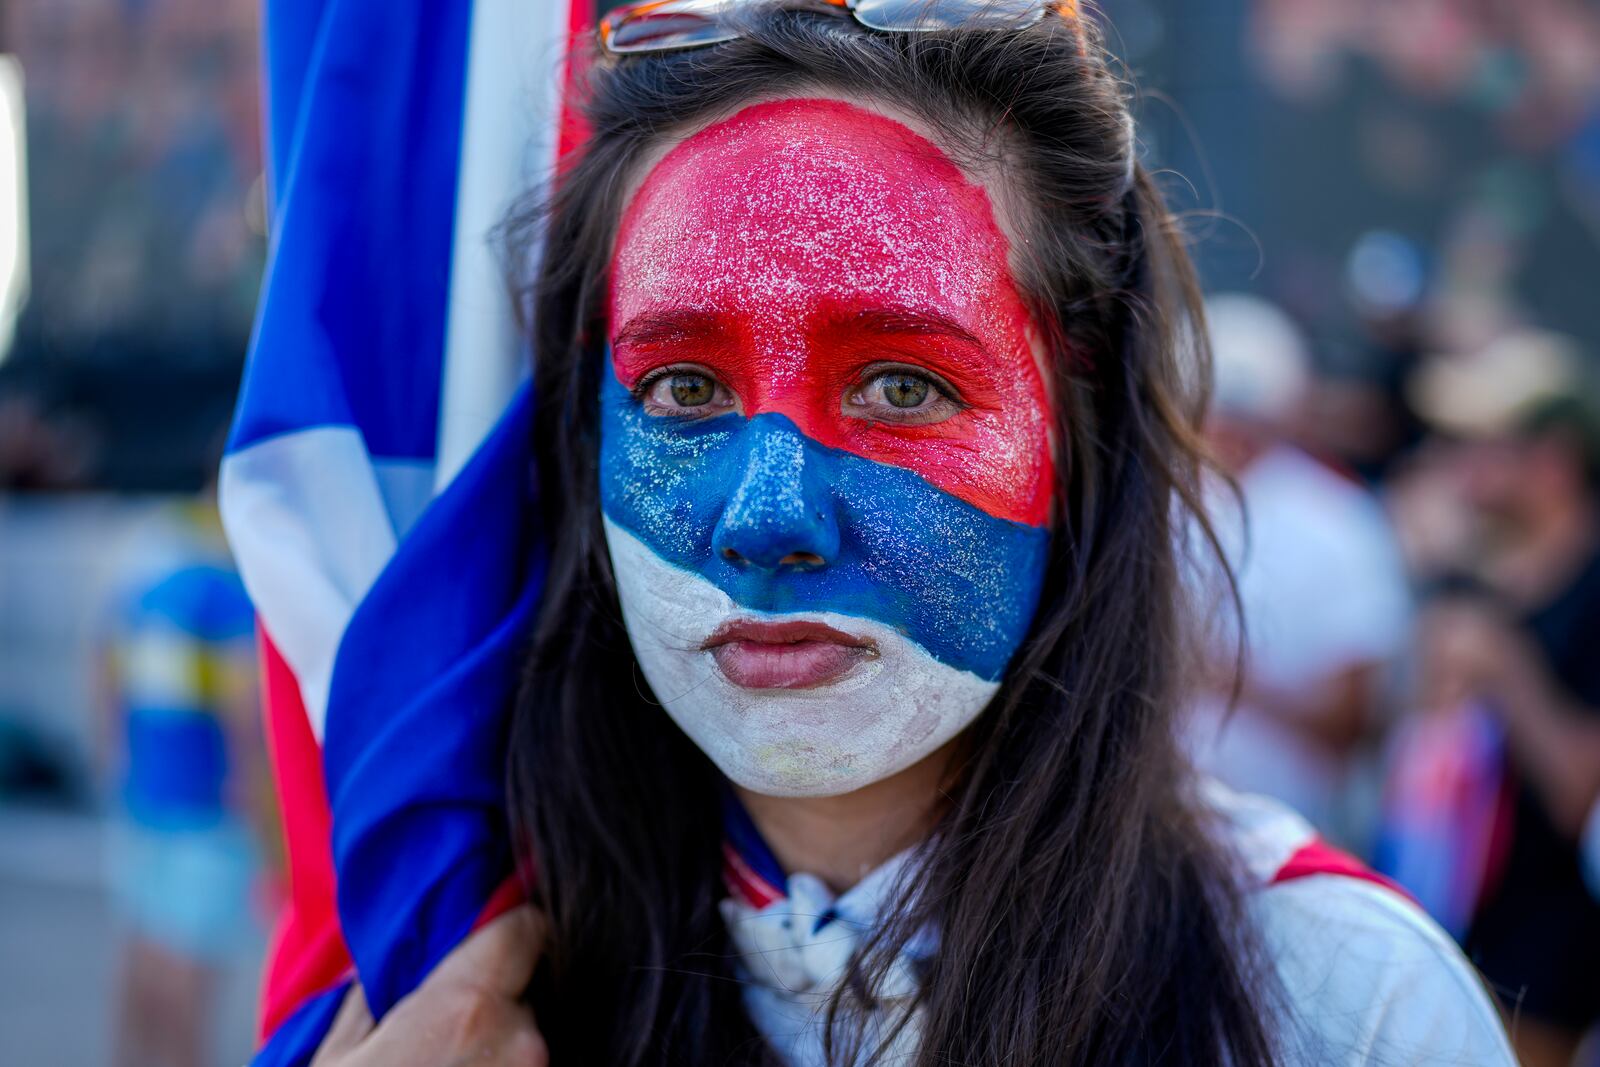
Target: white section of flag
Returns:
[309, 528]
[509, 140]
[13, 201]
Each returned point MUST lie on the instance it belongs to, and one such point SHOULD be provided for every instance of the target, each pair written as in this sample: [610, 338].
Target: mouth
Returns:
[785, 655]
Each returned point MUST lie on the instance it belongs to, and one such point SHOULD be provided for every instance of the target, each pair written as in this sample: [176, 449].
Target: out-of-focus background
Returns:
[1397, 206]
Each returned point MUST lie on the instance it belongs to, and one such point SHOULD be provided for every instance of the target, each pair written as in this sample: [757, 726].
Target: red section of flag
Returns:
[574, 129]
[308, 953]
[1319, 857]
[508, 896]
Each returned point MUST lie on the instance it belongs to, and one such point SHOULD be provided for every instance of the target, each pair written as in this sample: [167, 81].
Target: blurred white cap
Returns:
[1492, 390]
[1261, 360]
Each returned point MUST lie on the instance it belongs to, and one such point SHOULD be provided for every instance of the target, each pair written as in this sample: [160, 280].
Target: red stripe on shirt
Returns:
[743, 882]
[1319, 857]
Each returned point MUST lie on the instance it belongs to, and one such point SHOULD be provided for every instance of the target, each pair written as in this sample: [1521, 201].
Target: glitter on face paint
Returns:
[767, 241]
[957, 580]
[785, 251]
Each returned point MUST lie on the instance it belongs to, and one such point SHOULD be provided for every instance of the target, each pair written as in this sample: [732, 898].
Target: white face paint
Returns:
[884, 714]
[824, 446]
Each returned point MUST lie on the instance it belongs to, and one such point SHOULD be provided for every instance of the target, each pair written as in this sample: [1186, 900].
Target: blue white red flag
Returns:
[376, 488]
[1445, 821]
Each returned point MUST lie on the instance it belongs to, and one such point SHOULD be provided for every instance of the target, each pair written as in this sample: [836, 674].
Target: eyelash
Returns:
[646, 384]
[945, 401]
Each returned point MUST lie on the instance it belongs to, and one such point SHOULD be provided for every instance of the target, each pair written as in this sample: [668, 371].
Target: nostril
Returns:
[732, 556]
[801, 559]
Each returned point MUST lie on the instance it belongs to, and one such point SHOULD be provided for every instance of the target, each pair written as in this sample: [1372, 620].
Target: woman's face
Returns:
[826, 464]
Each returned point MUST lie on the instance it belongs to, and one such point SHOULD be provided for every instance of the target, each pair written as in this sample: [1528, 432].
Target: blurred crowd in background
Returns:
[1396, 207]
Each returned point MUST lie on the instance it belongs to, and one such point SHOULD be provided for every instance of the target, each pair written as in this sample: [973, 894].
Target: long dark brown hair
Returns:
[1084, 914]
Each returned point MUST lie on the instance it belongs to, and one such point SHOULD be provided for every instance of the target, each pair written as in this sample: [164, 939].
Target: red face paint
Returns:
[797, 243]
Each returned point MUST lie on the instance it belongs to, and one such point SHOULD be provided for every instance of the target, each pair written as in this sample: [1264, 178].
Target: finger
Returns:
[524, 1046]
[500, 956]
[350, 1027]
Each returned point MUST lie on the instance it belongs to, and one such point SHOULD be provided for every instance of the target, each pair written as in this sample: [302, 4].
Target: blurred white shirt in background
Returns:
[1323, 589]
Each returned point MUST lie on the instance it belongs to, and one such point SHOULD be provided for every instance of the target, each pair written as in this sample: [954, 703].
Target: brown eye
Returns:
[692, 390]
[685, 393]
[904, 390]
[901, 396]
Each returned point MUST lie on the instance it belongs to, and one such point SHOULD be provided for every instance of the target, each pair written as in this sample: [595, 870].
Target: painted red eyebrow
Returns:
[663, 327]
[659, 327]
[907, 321]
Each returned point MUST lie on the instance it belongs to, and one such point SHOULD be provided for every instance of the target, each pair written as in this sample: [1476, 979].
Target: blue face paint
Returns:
[727, 498]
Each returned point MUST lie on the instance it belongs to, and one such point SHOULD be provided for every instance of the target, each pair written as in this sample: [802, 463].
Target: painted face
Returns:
[825, 445]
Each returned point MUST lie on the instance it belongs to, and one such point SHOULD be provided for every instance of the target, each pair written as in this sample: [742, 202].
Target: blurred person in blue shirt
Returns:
[185, 854]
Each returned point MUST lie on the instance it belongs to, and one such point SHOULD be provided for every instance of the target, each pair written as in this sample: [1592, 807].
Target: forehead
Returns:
[801, 199]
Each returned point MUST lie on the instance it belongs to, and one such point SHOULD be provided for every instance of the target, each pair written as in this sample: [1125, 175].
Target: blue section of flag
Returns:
[958, 581]
[415, 744]
[295, 1042]
[365, 105]
[289, 33]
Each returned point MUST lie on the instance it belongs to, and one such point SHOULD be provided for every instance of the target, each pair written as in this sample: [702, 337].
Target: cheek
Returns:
[995, 454]
[964, 583]
[665, 481]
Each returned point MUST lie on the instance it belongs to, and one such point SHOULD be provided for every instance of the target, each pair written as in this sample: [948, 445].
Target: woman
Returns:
[868, 413]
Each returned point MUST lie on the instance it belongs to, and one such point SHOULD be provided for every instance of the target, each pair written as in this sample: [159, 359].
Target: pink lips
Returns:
[785, 655]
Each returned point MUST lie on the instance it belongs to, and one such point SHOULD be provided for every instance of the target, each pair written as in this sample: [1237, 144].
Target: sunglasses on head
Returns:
[665, 25]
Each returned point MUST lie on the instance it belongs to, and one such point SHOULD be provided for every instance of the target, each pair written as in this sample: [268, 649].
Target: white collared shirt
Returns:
[1369, 978]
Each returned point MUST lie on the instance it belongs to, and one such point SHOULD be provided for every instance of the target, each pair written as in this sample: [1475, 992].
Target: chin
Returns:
[887, 712]
[796, 775]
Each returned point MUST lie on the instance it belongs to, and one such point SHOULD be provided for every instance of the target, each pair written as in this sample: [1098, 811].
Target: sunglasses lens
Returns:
[901, 16]
[659, 27]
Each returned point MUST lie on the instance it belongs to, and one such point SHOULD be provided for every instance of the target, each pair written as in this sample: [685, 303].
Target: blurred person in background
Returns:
[1323, 594]
[1515, 631]
[185, 854]
[1355, 413]
[1352, 419]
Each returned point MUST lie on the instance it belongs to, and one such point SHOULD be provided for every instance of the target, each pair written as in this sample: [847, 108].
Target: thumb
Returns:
[499, 956]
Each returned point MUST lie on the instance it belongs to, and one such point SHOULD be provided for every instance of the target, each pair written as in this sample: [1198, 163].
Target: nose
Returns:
[781, 512]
